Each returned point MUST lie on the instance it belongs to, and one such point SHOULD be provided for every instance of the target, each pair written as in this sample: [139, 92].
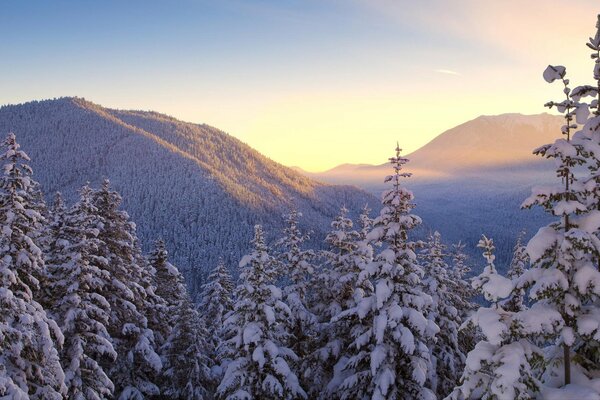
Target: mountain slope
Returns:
[487, 145]
[473, 178]
[197, 187]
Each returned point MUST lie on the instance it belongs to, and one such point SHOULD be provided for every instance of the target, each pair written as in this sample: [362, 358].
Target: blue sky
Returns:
[308, 83]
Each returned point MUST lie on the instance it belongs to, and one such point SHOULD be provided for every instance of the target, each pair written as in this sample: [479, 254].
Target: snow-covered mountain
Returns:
[472, 178]
[193, 185]
[490, 145]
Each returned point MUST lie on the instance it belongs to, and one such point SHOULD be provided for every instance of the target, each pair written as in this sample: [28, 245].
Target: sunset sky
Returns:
[311, 83]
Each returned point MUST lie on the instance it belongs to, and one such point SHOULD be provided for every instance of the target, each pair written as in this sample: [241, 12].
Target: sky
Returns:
[309, 83]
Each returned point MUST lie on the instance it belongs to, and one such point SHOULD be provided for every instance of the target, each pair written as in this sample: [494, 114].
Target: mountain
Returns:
[490, 145]
[197, 187]
[473, 178]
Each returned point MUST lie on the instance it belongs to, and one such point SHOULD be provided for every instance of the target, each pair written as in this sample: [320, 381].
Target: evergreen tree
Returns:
[28, 355]
[77, 277]
[297, 269]
[217, 302]
[563, 277]
[169, 289]
[388, 357]
[335, 289]
[185, 355]
[501, 365]
[446, 354]
[136, 370]
[518, 265]
[184, 352]
[260, 361]
[463, 297]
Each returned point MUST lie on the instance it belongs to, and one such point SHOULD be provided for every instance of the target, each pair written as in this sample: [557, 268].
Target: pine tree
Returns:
[168, 288]
[563, 254]
[260, 361]
[217, 302]
[463, 299]
[518, 265]
[446, 353]
[138, 365]
[296, 266]
[335, 288]
[77, 276]
[501, 365]
[28, 355]
[184, 352]
[388, 357]
[185, 355]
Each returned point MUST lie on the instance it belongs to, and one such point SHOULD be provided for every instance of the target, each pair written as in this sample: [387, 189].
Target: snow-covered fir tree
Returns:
[501, 365]
[563, 277]
[179, 332]
[334, 289]
[260, 361]
[170, 289]
[217, 302]
[464, 295]
[447, 356]
[77, 277]
[186, 362]
[135, 373]
[296, 268]
[29, 360]
[388, 357]
[519, 263]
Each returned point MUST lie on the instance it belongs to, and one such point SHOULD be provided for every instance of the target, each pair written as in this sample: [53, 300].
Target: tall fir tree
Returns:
[518, 265]
[186, 373]
[77, 277]
[335, 288]
[296, 267]
[169, 288]
[446, 353]
[388, 357]
[502, 364]
[464, 297]
[217, 302]
[137, 368]
[260, 364]
[28, 338]
[185, 354]
[563, 276]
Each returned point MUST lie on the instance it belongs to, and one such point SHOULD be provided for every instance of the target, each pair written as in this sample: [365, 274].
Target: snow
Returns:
[545, 238]
[552, 73]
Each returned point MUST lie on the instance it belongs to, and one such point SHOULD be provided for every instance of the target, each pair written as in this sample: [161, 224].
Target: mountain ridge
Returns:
[199, 188]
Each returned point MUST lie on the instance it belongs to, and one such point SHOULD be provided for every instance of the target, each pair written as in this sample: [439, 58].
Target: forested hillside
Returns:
[198, 188]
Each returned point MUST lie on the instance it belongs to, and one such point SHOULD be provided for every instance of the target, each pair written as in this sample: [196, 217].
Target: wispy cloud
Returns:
[447, 72]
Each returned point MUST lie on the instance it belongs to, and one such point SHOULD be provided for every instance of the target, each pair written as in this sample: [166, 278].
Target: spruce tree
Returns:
[77, 277]
[388, 357]
[137, 368]
[520, 260]
[563, 276]
[260, 363]
[502, 365]
[446, 353]
[336, 288]
[186, 373]
[28, 338]
[296, 267]
[186, 362]
[217, 302]
[169, 289]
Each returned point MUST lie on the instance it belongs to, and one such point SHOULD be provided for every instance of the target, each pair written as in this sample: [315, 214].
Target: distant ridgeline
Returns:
[198, 188]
